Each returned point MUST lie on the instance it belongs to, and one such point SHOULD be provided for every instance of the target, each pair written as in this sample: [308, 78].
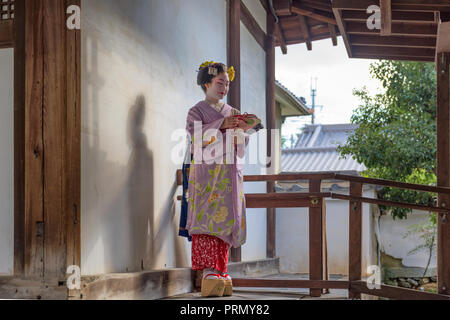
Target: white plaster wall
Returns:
[6, 161]
[292, 237]
[394, 242]
[139, 62]
[253, 100]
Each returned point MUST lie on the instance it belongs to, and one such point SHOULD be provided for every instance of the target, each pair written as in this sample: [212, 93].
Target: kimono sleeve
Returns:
[195, 116]
[211, 134]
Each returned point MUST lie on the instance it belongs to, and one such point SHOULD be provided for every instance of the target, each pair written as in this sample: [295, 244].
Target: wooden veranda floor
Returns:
[247, 293]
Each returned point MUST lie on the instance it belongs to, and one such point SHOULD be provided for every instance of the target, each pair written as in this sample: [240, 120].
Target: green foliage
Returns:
[396, 137]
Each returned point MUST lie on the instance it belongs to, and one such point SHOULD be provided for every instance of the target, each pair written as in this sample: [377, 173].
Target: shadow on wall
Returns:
[121, 232]
[140, 188]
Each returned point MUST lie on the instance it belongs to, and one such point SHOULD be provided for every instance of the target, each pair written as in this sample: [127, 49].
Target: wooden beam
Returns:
[406, 5]
[303, 10]
[395, 292]
[290, 283]
[302, 40]
[389, 203]
[282, 7]
[386, 17]
[234, 59]
[392, 41]
[391, 183]
[399, 58]
[252, 26]
[332, 29]
[323, 5]
[394, 51]
[398, 29]
[355, 237]
[397, 16]
[284, 200]
[305, 31]
[280, 37]
[6, 34]
[443, 169]
[343, 30]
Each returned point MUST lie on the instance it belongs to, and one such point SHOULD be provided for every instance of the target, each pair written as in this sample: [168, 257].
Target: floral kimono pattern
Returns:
[216, 201]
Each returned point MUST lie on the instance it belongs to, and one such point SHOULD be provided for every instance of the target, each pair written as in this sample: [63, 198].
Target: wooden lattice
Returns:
[6, 9]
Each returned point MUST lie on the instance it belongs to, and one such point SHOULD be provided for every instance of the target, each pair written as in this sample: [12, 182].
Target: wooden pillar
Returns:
[443, 170]
[234, 59]
[316, 239]
[47, 145]
[19, 135]
[270, 125]
[234, 50]
[355, 237]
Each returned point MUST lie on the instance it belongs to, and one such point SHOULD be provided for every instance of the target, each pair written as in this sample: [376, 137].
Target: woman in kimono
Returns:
[215, 195]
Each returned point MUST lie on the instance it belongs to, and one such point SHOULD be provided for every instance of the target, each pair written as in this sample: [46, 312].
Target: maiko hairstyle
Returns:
[207, 72]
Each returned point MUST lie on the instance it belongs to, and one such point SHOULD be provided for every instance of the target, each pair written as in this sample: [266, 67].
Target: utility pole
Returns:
[313, 99]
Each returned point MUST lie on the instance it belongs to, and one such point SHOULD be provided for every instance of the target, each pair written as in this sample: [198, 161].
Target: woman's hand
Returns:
[229, 123]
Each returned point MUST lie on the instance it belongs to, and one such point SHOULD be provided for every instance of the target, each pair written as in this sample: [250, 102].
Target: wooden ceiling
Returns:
[409, 28]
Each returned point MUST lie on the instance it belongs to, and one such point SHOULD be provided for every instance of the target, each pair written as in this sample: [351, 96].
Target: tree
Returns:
[396, 137]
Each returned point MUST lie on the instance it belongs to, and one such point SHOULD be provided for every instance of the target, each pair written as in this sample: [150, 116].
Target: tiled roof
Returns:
[315, 150]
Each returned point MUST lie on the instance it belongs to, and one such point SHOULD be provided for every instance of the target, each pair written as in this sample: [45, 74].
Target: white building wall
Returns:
[6, 161]
[292, 237]
[253, 100]
[397, 242]
[139, 62]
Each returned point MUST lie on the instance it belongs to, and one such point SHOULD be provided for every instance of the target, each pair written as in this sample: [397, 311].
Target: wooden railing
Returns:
[318, 282]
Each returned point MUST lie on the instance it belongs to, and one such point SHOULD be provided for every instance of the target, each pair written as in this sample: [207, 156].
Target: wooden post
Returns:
[324, 244]
[355, 237]
[443, 170]
[234, 50]
[19, 136]
[316, 238]
[234, 59]
[28, 110]
[47, 145]
[270, 124]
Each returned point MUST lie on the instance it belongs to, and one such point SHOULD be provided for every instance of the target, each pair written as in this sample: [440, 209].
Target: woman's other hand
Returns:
[229, 123]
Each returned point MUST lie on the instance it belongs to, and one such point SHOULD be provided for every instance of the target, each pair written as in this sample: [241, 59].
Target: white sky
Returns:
[337, 76]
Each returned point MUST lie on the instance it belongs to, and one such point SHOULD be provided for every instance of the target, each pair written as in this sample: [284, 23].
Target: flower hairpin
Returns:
[212, 69]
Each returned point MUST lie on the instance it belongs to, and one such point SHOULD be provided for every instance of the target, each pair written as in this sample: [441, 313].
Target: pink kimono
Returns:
[216, 200]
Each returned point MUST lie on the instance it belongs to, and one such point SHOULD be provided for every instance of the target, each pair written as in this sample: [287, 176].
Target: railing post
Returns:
[443, 166]
[355, 237]
[316, 239]
[271, 221]
[236, 254]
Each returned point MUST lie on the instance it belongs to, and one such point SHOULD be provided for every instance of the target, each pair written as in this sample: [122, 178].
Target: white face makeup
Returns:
[219, 87]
